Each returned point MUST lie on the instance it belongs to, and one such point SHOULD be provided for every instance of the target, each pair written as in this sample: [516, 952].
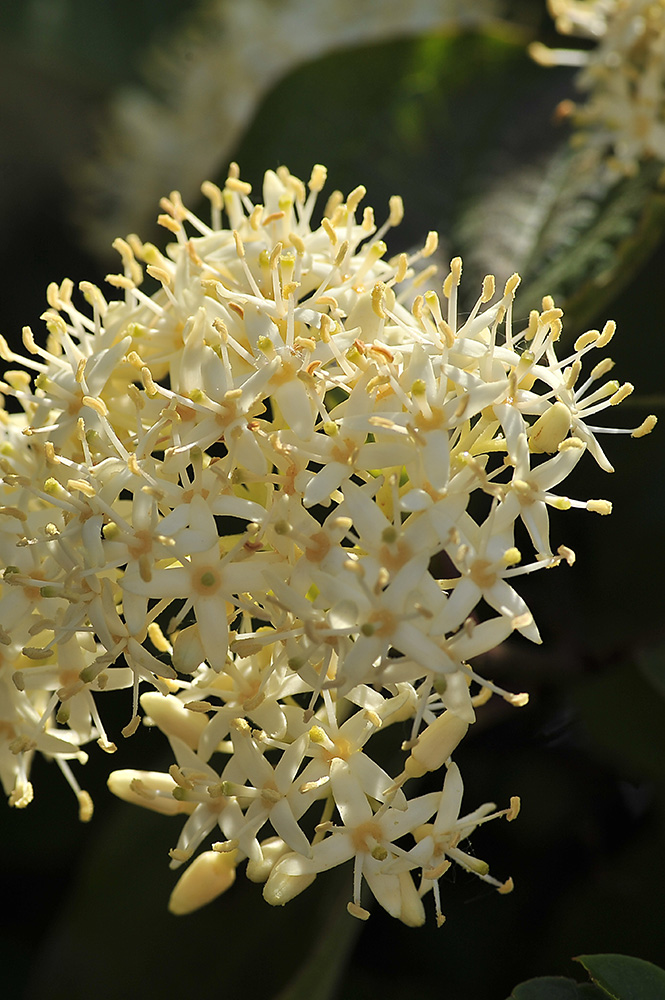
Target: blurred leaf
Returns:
[553, 213]
[623, 718]
[548, 988]
[624, 977]
[324, 966]
[652, 666]
[123, 883]
[88, 41]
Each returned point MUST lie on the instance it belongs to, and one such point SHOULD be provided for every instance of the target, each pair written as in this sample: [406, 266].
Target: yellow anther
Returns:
[148, 383]
[82, 486]
[214, 195]
[160, 274]
[431, 243]
[378, 297]
[28, 341]
[645, 427]
[237, 186]
[240, 247]
[355, 198]
[168, 223]
[515, 806]
[368, 223]
[489, 288]
[621, 394]
[317, 177]
[511, 556]
[298, 243]
[567, 554]
[98, 405]
[341, 253]
[599, 506]
[606, 334]
[396, 206]
[402, 268]
[590, 337]
[85, 806]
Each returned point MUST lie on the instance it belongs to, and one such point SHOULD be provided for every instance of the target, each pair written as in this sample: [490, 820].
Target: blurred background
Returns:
[105, 107]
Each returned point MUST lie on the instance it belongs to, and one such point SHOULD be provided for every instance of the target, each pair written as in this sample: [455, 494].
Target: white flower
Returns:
[438, 842]
[624, 114]
[239, 491]
[366, 836]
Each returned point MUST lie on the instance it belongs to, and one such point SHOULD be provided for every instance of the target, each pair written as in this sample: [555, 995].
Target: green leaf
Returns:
[624, 977]
[547, 988]
[569, 229]
[320, 973]
[652, 666]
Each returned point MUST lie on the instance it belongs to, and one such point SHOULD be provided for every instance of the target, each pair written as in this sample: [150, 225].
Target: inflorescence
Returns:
[623, 78]
[248, 494]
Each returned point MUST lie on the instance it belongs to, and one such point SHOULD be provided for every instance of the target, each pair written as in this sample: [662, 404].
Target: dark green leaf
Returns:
[547, 988]
[557, 218]
[624, 977]
[652, 666]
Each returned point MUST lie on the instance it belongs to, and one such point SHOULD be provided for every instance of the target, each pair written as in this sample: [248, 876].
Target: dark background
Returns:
[443, 120]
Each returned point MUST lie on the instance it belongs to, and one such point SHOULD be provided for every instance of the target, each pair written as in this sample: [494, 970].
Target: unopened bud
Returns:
[207, 877]
[436, 744]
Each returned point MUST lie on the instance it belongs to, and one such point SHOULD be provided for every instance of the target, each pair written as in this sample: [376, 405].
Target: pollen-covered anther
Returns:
[586, 339]
[224, 846]
[378, 297]
[355, 197]
[22, 795]
[438, 871]
[431, 243]
[566, 554]
[199, 706]
[622, 393]
[603, 507]
[86, 807]
[131, 727]
[606, 335]
[148, 382]
[36, 652]
[317, 178]
[358, 911]
[515, 805]
[214, 195]
[517, 700]
[341, 254]
[179, 855]
[645, 427]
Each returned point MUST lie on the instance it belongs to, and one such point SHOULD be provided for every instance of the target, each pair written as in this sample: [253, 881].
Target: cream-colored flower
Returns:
[624, 77]
[239, 491]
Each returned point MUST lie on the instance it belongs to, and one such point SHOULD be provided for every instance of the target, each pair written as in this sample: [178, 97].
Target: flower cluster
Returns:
[249, 492]
[624, 115]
